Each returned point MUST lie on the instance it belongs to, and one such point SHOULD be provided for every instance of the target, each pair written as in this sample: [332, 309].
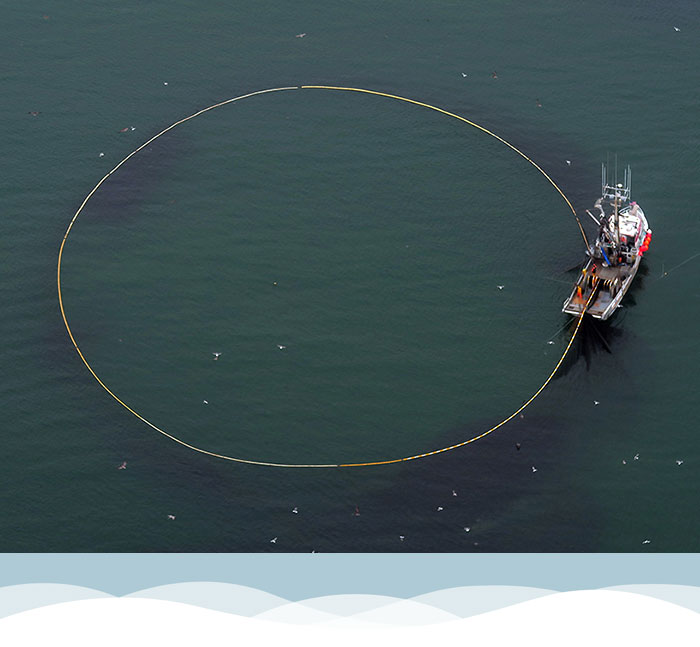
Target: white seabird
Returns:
[216, 355]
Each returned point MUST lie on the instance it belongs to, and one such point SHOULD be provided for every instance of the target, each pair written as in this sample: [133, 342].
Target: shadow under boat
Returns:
[602, 337]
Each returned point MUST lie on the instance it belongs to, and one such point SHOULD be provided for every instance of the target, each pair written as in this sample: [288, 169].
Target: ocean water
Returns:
[367, 237]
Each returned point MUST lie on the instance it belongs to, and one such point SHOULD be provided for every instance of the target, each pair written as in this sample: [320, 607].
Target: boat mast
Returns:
[617, 223]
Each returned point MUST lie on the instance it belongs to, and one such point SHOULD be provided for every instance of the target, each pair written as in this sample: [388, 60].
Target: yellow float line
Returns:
[270, 464]
[471, 123]
[503, 422]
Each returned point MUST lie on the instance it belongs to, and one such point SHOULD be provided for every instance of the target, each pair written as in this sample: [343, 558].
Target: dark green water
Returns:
[367, 236]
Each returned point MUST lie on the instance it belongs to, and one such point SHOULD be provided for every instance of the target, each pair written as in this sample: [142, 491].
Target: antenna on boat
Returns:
[628, 182]
[602, 179]
[617, 218]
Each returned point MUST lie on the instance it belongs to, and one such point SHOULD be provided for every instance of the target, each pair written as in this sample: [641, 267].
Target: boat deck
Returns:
[602, 301]
[611, 273]
[596, 309]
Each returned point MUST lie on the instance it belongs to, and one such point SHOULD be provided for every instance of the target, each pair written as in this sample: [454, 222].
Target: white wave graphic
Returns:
[358, 608]
[573, 618]
[431, 609]
[217, 596]
[681, 595]
[23, 597]
[466, 601]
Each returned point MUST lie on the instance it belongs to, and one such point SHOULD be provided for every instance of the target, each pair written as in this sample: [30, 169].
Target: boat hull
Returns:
[609, 292]
[610, 282]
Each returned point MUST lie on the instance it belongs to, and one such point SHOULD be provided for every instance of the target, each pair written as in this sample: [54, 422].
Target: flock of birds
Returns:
[402, 538]
[295, 510]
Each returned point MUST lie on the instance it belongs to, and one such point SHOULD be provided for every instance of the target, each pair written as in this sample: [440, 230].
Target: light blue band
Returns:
[299, 576]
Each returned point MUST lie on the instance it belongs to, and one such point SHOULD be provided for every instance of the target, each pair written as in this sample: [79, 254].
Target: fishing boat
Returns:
[614, 257]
